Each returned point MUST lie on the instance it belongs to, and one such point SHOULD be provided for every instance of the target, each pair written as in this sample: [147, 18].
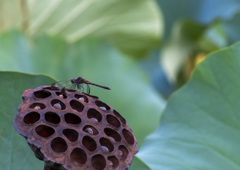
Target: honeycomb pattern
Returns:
[72, 130]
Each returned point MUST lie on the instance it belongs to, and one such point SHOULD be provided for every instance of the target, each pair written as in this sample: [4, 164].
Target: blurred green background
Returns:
[144, 50]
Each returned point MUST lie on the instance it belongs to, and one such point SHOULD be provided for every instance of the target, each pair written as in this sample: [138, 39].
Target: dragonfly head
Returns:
[73, 80]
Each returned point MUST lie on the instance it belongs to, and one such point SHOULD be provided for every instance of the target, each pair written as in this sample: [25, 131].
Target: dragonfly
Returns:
[78, 84]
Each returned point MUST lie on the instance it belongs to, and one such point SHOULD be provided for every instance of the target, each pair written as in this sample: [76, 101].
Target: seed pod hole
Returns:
[112, 133]
[70, 90]
[123, 152]
[77, 106]
[103, 108]
[112, 139]
[37, 106]
[104, 149]
[52, 117]
[42, 94]
[31, 118]
[95, 97]
[61, 95]
[23, 98]
[128, 136]
[59, 145]
[78, 156]
[120, 153]
[94, 120]
[72, 118]
[110, 163]
[112, 120]
[57, 104]
[90, 129]
[89, 143]
[71, 135]
[92, 113]
[101, 105]
[44, 131]
[98, 162]
[105, 142]
[81, 98]
[119, 116]
[114, 161]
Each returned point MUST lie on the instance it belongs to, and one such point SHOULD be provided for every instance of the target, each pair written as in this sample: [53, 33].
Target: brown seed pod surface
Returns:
[70, 130]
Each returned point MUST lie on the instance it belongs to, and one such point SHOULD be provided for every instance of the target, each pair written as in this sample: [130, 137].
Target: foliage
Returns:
[200, 125]
[117, 21]
[15, 153]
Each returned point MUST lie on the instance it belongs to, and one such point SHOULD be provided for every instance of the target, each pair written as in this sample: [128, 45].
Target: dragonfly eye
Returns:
[73, 81]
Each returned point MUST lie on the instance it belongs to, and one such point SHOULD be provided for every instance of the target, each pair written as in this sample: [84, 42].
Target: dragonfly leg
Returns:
[81, 87]
[73, 87]
[88, 89]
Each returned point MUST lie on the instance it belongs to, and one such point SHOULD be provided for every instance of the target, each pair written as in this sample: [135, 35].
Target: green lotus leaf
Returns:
[200, 126]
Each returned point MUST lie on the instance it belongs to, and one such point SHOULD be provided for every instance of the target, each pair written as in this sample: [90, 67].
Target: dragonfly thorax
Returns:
[78, 80]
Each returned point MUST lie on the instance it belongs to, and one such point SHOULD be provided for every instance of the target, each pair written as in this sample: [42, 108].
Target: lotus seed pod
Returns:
[70, 130]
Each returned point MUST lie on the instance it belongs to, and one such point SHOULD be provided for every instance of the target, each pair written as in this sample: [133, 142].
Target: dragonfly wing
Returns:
[76, 86]
[67, 84]
[80, 88]
[73, 87]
